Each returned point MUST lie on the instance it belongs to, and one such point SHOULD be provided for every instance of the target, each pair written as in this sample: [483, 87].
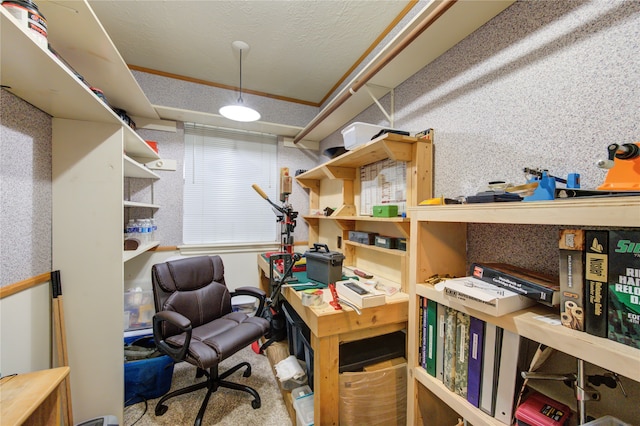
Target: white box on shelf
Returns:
[483, 296]
[356, 134]
[358, 295]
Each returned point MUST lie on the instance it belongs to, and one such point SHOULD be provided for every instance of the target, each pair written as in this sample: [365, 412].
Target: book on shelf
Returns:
[490, 365]
[441, 309]
[449, 366]
[540, 287]
[474, 371]
[624, 287]
[596, 276]
[483, 296]
[423, 334]
[462, 353]
[432, 327]
[571, 245]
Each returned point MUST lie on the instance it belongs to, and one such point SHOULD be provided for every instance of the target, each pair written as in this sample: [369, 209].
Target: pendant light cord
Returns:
[240, 96]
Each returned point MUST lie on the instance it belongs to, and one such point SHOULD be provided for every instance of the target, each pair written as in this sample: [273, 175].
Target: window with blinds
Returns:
[220, 206]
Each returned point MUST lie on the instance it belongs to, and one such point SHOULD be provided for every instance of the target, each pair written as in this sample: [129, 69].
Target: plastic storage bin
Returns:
[146, 378]
[304, 410]
[606, 421]
[138, 310]
[358, 133]
[299, 336]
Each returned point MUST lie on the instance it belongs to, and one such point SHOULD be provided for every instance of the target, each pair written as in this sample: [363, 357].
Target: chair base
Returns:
[213, 382]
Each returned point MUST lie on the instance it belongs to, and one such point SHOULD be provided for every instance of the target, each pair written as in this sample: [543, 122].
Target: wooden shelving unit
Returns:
[93, 150]
[388, 263]
[438, 246]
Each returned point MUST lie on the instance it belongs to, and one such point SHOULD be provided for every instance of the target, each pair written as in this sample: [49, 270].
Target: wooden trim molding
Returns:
[9, 289]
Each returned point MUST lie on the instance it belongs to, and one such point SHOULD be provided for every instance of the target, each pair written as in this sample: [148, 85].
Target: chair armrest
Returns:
[254, 292]
[177, 320]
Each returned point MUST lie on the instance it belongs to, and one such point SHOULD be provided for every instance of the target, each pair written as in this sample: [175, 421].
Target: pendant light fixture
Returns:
[237, 111]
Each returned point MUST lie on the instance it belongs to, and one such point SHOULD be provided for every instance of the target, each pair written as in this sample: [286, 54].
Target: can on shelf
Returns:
[27, 13]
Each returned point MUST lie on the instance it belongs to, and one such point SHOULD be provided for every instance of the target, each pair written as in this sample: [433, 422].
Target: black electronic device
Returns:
[356, 288]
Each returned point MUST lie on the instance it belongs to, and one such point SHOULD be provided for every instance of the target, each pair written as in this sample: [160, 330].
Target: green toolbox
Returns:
[389, 210]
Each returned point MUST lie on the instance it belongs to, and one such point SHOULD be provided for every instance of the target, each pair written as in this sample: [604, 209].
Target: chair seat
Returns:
[217, 340]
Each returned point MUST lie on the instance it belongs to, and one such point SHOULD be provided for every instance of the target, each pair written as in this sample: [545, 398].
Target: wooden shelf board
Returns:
[611, 211]
[136, 170]
[460, 405]
[143, 205]
[83, 42]
[391, 252]
[130, 254]
[392, 146]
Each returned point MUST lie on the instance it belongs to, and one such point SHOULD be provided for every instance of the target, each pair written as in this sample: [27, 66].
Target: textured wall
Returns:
[543, 84]
[25, 190]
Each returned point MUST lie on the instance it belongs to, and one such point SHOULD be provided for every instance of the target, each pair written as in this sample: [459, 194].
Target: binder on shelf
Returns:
[509, 379]
[596, 292]
[462, 353]
[474, 375]
[441, 309]
[423, 332]
[449, 367]
[490, 365]
[432, 327]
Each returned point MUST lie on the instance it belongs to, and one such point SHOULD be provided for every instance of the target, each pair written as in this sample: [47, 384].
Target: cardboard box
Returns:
[571, 245]
[483, 296]
[374, 397]
[385, 364]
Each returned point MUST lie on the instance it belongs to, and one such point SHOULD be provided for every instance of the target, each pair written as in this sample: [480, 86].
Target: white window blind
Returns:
[220, 206]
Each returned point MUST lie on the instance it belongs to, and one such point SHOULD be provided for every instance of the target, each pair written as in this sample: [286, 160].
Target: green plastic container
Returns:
[389, 210]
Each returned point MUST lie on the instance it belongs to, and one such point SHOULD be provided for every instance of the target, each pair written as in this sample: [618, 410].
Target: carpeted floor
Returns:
[226, 406]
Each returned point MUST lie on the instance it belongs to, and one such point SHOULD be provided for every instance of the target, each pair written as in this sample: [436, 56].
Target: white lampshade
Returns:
[239, 112]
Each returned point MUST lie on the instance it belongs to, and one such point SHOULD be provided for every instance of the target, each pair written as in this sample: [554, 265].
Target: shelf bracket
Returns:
[389, 116]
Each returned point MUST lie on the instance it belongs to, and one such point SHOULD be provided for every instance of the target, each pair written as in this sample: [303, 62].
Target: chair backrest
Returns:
[194, 287]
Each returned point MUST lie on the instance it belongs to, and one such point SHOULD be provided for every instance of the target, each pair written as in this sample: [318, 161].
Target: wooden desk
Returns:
[32, 398]
[329, 328]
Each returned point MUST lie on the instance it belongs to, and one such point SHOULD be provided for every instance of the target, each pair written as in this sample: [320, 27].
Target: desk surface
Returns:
[21, 395]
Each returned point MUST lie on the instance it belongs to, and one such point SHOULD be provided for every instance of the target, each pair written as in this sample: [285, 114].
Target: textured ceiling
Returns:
[298, 49]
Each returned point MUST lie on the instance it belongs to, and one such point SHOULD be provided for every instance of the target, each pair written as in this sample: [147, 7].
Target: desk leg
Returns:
[326, 390]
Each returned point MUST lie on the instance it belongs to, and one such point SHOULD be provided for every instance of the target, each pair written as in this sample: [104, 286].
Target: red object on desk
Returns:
[336, 305]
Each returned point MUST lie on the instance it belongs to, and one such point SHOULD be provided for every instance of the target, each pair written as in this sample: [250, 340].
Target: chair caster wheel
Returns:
[255, 404]
[161, 409]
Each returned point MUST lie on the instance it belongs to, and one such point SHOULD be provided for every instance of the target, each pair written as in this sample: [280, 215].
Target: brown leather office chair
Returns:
[194, 323]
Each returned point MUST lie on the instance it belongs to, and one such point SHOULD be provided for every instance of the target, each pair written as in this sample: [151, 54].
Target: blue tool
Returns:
[547, 184]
